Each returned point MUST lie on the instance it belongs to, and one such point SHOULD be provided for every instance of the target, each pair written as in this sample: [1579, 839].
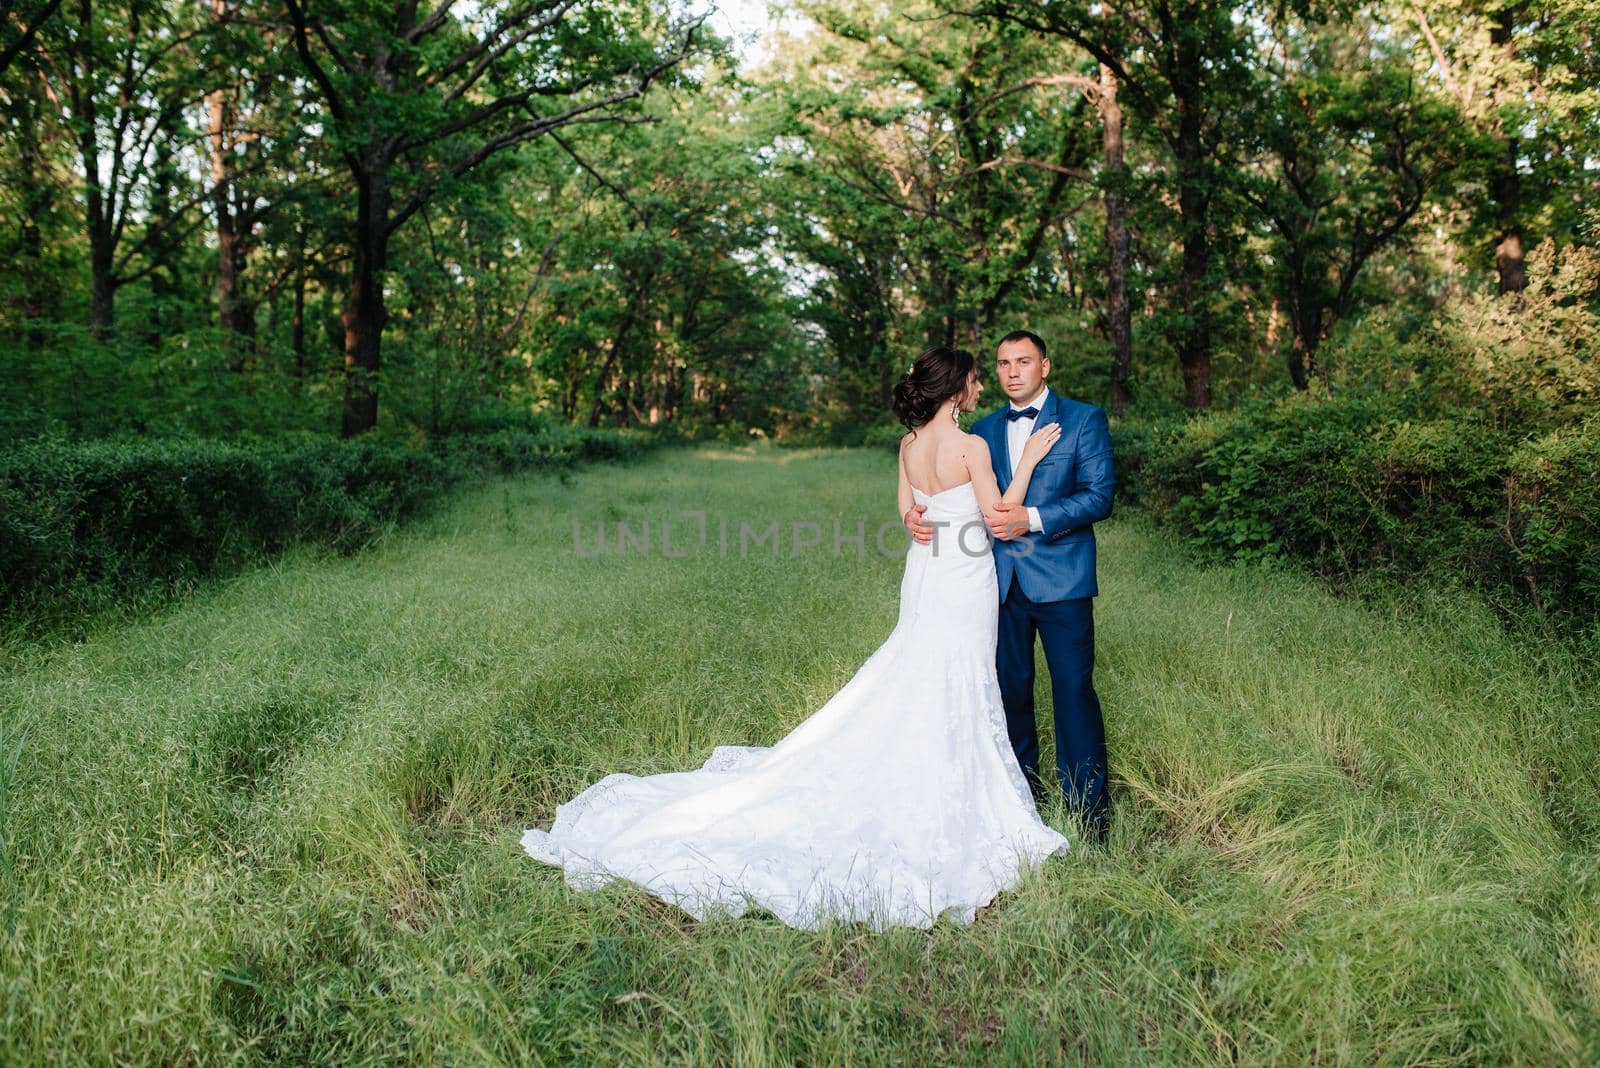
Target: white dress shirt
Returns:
[1017, 431]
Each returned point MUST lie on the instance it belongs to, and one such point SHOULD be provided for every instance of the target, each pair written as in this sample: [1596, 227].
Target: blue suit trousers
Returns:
[1066, 628]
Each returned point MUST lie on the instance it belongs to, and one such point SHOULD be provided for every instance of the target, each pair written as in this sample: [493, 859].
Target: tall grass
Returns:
[280, 821]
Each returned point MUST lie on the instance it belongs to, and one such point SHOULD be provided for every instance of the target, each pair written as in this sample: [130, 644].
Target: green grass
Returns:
[280, 821]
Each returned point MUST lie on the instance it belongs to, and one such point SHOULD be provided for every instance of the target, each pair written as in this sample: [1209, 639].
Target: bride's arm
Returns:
[975, 453]
[903, 491]
[981, 469]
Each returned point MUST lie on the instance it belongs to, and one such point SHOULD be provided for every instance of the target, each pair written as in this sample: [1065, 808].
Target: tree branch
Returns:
[1011, 161]
[486, 61]
[302, 44]
[543, 124]
[615, 189]
[30, 28]
[1439, 57]
[477, 49]
[440, 15]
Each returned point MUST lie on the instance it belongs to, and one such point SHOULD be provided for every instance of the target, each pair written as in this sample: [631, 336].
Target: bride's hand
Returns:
[1040, 442]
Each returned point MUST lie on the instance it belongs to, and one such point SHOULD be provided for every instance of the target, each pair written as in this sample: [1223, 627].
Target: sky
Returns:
[744, 21]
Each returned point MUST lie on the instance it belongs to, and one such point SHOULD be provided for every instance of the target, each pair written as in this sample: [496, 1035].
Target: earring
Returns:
[955, 412]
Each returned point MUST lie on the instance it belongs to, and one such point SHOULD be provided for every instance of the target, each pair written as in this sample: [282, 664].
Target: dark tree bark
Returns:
[1506, 182]
[229, 241]
[97, 218]
[1118, 314]
[164, 286]
[365, 313]
[1194, 202]
[1305, 320]
[637, 300]
[20, 23]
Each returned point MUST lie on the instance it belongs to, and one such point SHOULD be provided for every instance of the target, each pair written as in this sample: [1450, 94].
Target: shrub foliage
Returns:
[84, 522]
[1466, 450]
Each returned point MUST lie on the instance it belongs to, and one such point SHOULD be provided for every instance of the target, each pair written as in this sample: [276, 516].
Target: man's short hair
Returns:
[1026, 335]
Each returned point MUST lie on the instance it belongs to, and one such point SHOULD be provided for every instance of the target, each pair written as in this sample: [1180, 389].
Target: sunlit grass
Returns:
[280, 821]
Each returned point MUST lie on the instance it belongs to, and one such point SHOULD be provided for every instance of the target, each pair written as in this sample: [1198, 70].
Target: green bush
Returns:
[84, 523]
[80, 520]
[1525, 362]
[1348, 488]
[883, 436]
[1553, 527]
[1133, 442]
[1266, 481]
[1459, 446]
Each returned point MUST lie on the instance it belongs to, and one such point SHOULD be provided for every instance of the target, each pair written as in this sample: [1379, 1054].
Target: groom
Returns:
[1048, 586]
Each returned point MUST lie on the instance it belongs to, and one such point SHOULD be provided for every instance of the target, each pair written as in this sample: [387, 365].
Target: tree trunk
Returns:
[1306, 337]
[103, 286]
[1194, 336]
[364, 313]
[617, 359]
[163, 252]
[1302, 310]
[614, 358]
[297, 325]
[1119, 317]
[1508, 259]
[1506, 183]
[227, 234]
[35, 197]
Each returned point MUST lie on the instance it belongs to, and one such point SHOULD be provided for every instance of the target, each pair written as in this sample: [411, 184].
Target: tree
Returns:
[1347, 148]
[664, 299]
[1183, 64]
[34, 155]
[1522, 75]
[128, 72]
[929, 159]
[415, 100]
[1118, 317]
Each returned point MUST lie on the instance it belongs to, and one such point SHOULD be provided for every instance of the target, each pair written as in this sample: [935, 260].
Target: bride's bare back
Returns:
[936, 457]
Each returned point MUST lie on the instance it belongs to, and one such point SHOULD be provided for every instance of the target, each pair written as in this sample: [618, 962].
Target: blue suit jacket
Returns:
[1072, 488]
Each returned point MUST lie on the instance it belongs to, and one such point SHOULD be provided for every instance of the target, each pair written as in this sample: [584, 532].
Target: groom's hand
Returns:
[920, 531]
[1007, 521]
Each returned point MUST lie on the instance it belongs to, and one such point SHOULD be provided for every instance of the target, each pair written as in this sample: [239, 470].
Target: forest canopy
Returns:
[231, 216]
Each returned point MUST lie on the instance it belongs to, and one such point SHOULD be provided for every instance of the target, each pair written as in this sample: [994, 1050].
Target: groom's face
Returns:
[1020, 369]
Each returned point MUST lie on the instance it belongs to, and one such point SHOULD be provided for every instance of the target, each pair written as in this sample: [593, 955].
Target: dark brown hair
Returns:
[937, 376]
[1025, 335]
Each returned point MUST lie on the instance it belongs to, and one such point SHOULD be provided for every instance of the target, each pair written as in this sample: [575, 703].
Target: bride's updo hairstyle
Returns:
[938, 376]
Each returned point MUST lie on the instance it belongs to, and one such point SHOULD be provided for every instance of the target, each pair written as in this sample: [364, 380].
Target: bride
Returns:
[900, 799]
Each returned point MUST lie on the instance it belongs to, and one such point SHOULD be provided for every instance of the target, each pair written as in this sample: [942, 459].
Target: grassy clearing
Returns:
[280, 821]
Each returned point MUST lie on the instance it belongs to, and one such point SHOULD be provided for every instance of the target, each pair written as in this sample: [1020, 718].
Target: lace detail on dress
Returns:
[895, 803]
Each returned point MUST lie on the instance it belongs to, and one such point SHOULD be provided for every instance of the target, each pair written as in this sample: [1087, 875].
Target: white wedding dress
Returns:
[895, 803]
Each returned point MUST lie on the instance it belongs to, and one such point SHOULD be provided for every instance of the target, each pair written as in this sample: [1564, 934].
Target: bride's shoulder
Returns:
[973, 445]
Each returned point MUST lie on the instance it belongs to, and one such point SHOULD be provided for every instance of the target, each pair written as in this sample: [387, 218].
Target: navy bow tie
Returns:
[1021, 413]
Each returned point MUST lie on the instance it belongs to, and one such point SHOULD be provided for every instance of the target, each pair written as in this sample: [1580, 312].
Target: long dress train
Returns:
[896, 802]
